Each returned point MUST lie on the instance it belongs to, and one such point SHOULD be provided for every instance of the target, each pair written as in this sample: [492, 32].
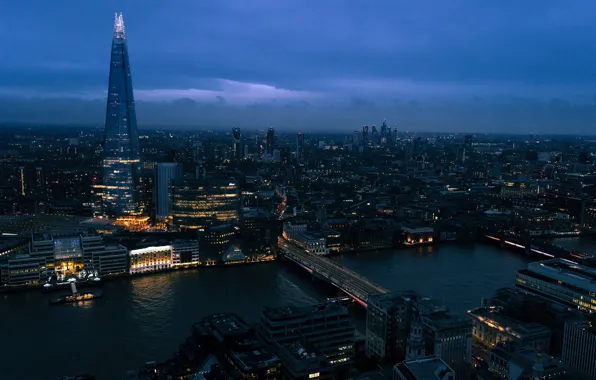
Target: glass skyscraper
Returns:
[121, 161]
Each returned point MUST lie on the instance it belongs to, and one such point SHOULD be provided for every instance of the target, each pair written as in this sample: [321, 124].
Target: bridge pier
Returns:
[502, 243]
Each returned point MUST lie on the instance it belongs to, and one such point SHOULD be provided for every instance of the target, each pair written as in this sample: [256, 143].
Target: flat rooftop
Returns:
[516, 328]
[292, 312]
[428, 368]
[565, 271]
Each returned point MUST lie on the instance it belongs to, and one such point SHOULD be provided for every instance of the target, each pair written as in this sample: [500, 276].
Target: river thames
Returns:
[146, 318]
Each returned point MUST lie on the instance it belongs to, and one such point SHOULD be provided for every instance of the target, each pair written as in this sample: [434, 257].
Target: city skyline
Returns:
[457, 67]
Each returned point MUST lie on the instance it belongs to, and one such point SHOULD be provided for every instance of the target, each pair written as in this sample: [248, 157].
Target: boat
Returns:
[75, 296]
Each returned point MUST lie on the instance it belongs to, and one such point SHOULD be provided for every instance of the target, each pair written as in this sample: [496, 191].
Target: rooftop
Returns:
[428, 368]
[520, 330]
[291, 312]
[566, 271]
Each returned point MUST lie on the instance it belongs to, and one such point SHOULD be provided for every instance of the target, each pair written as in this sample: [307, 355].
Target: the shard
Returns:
[121, 160]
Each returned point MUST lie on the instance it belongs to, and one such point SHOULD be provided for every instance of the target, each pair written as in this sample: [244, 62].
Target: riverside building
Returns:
[561, 281]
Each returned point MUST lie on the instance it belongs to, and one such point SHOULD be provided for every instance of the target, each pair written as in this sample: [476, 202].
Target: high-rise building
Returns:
[198, 203]
[237, 145]
[121, 153]
[365, 135]
[270, 140]
[579, 346]
[300, 147]
[165, 173]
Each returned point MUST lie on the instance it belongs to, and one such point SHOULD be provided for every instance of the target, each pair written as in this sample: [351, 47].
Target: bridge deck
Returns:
[345, 279]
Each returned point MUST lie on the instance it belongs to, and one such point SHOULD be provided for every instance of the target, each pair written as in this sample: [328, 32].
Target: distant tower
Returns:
[374, 135]
[415, 343]
[121, 154]
[395, 137]
[270, 140]
[165, 172]
[300, 147]
[237, 144]
[365, 135]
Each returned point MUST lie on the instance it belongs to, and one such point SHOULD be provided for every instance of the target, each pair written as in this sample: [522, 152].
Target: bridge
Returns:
[348, 281]
[535, 246]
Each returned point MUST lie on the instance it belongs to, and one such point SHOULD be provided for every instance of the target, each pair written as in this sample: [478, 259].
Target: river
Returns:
[146, 318]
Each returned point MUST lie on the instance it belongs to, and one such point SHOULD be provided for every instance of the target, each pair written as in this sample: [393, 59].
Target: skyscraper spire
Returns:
[119, 30]
[121, 162]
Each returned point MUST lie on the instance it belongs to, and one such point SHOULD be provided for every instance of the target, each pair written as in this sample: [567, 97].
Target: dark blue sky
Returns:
[434, 65]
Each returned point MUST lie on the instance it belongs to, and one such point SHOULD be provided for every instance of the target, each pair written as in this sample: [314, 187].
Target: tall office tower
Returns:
[395, 138]
[237, 145]
[300, 147]
[365, 135]
[374, 135]
[165, 173]
[384, 128]
[579, 346]
[121, 160]
[270, 140]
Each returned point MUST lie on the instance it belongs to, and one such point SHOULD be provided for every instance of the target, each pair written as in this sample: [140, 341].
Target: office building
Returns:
[63, 255]
[327, 327]
[491, 327]
[121, 154]
[237, 144]
[198, 203]
[388, 318]
[150, 259]
[426, 368]
[270, 141]
[237, 348]
[185, 253]
[218, 244]
[300, 147]
[165, 173]
[301, 361]
[579, 346]
[259, 230]
[32, 181]
[561, 281]
[449, 337]
[511, 361]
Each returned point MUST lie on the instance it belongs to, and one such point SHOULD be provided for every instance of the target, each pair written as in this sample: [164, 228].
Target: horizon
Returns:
[453, 67]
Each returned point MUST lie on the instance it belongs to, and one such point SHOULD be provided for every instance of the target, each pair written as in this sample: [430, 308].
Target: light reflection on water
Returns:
[146, 318]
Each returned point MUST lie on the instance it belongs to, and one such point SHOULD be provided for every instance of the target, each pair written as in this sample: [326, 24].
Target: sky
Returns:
[425, 65]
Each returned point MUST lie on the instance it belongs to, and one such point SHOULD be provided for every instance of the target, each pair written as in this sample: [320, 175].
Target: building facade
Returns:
[165, 173]
[328, 327]
[150, 259]
[490, 327]
[579, 346]
[562, 281]
[197, 204]
[121, 153]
